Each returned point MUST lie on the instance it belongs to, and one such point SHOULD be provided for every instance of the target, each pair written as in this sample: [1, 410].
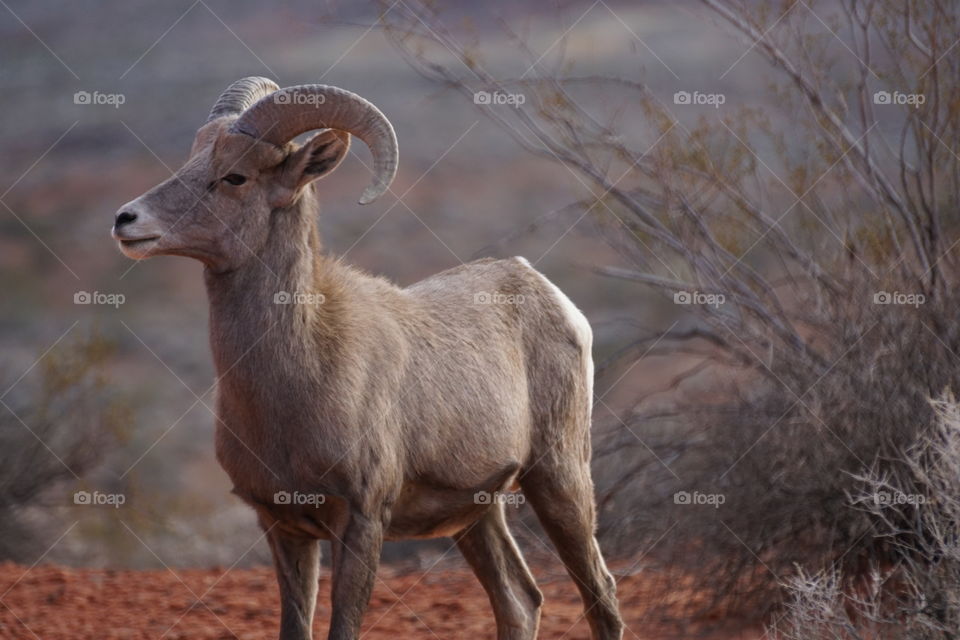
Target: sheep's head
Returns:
[243, 169]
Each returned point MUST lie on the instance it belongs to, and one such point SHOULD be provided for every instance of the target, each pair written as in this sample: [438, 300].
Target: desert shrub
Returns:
[913, 590]
[55, 425]
[775, 468]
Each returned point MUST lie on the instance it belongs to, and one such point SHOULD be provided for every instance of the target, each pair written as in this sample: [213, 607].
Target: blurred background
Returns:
[754, 203]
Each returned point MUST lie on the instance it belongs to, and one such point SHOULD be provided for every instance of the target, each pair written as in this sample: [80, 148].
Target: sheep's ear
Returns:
[319, 155]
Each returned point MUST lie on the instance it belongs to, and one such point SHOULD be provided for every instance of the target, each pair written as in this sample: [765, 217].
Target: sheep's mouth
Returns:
[136, 247]
[132, 242]
[136, 242]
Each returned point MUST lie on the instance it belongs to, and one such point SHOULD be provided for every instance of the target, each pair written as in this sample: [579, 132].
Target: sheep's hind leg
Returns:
[492, 553]
[561, 493]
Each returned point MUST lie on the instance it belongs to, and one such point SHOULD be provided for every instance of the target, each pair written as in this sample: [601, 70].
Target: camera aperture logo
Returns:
[298, 297]
[898, 498]
[486, 297]
[499, 98]
[97, 98]
[697, 98]
[293, 96]
[298, 498]
[698, 297]
[696, 498]
[897, 98]
[499, 497]
[896, 297]
[96, 297]
[97, 498]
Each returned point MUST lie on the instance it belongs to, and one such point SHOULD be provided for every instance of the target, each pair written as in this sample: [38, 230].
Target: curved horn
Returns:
[238, 97]
[289, 112]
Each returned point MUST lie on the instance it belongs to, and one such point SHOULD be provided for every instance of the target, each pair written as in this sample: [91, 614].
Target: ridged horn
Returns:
[241, 95]
[286, 113]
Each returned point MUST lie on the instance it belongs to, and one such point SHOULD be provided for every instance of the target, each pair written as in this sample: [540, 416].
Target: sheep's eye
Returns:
[235, 179]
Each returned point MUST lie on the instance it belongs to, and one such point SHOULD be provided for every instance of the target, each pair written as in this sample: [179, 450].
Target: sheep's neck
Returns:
[266, 309]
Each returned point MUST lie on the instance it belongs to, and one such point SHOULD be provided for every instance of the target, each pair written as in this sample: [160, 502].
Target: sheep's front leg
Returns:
[356, 555]
[297, 561]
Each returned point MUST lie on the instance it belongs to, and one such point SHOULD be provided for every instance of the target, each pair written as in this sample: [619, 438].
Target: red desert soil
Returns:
[58, 603]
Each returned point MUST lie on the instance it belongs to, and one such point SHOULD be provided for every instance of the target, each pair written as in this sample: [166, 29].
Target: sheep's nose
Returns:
[124, 217]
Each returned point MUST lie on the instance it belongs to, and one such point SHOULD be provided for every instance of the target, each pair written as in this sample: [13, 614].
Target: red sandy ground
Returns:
[57, 603]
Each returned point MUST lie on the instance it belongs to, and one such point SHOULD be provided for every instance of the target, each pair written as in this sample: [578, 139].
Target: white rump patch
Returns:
[577, 321]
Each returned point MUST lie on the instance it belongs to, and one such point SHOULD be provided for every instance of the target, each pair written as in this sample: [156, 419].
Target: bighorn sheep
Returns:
[384, 411]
